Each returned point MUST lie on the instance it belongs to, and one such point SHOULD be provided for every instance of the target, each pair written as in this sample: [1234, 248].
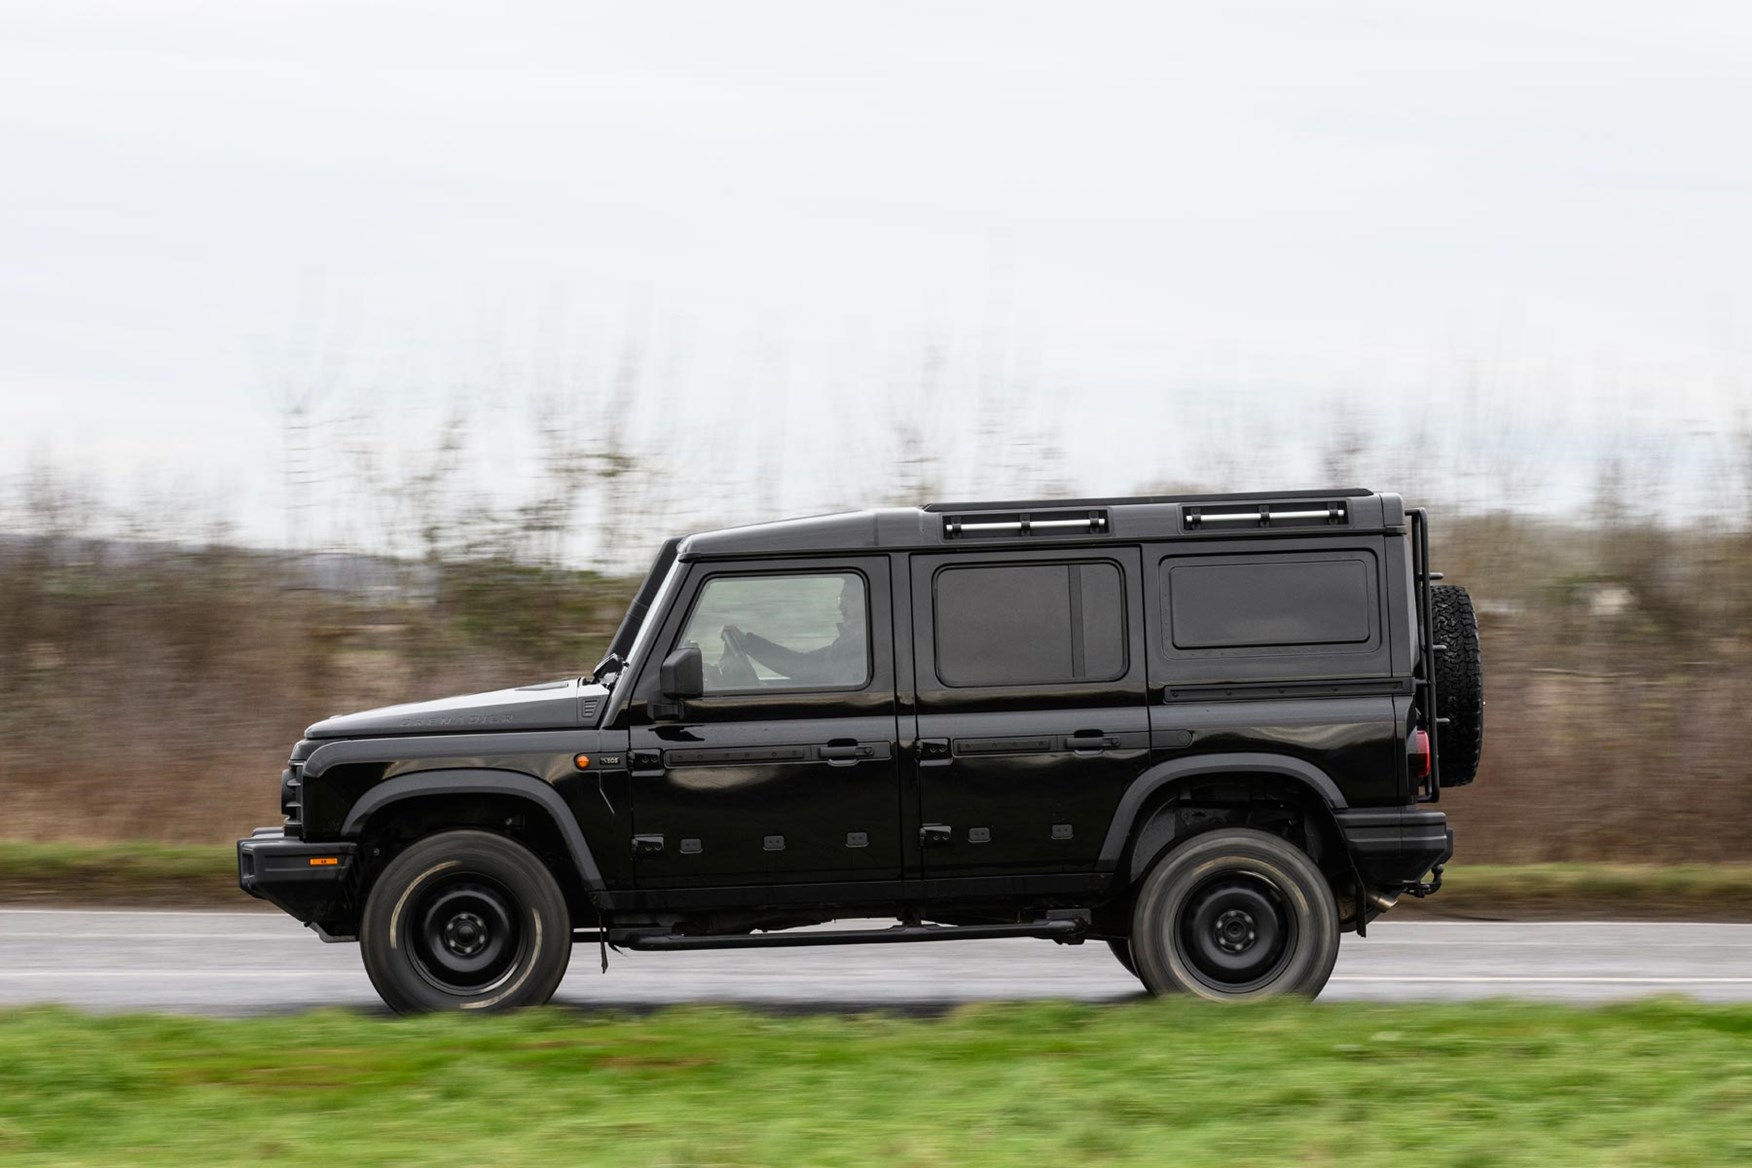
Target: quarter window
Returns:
[1030, 624]
[1321, 602]
[782, 632]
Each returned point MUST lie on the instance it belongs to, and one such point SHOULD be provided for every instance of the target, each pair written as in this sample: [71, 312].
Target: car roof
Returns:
[1032, 522]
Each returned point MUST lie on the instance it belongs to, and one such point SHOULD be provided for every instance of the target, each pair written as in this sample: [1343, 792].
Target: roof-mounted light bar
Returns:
[1024, 524]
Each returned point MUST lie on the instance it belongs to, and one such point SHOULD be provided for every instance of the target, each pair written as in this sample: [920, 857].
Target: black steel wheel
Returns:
[1235, 914]
[465, 920]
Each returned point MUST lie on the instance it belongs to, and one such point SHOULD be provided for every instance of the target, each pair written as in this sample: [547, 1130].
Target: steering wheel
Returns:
[735, 670]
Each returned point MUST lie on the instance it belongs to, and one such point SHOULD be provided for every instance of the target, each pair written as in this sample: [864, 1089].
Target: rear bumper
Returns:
[307, 880]
[1395, 846]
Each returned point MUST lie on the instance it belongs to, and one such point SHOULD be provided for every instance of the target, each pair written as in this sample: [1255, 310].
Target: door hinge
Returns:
[936, 833]
[647, 845]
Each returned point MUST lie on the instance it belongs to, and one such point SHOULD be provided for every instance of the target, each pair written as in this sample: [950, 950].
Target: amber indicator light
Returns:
[581, 761]
[324, 861]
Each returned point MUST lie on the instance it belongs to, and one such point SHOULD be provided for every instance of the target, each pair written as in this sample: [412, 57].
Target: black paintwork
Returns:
[910, 794]
[783, 815]
[549, 705]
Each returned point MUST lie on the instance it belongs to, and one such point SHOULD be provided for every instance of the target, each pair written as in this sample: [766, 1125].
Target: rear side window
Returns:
[1030, 624]
[1295, 603]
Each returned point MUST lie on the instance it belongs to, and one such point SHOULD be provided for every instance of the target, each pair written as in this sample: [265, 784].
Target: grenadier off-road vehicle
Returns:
[1205, 730]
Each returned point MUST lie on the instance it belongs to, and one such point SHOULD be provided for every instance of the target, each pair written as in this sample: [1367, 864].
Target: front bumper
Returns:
[1395, 846]
[310, 881]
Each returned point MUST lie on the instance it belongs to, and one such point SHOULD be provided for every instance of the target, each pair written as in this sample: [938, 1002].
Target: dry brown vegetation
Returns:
[1617, 674]
[149, 687]
[151, 691]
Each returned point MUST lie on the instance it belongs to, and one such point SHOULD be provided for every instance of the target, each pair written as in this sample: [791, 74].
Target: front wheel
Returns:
[1234, 915]
[465, 920]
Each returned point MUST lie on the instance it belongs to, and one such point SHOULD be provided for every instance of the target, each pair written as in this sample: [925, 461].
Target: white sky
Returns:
[1174, 236]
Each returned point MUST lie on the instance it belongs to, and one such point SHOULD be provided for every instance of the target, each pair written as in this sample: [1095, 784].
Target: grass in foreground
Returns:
[1661, 1083]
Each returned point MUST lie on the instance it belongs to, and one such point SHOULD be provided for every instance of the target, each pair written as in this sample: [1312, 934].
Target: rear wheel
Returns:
[1233, 915]
[465, 920]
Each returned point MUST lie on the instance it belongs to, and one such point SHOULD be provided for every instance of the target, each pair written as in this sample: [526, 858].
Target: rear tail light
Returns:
[1419, 750]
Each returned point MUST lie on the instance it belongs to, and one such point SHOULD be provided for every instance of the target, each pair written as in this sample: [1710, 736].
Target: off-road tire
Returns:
[1235, 915]
[1459, 684]
[465, 920]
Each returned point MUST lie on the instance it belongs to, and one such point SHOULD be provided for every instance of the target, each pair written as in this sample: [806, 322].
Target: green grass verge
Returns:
[1656, 1083]
[1707, 890]
[120, 873]
[140, 873]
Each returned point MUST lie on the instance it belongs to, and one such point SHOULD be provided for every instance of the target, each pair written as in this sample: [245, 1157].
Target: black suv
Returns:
[1201, 729]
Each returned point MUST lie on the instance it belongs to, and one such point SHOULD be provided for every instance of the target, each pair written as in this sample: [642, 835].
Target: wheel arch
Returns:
[1152, 794]
[525, 789]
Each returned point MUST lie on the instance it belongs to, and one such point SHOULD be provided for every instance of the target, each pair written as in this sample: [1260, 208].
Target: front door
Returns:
[1032, 714]
[785, 771]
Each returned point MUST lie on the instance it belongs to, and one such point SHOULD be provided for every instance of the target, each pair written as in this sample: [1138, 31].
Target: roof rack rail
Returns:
[1132, 500]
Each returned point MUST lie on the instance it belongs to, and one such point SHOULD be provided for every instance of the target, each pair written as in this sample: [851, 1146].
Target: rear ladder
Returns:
[1427, 649]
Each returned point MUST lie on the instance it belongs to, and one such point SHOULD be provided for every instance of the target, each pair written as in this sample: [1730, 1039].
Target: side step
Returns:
[1057, 930]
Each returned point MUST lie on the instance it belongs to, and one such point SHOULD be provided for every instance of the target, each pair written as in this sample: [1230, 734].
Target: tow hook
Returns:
[1425, 888]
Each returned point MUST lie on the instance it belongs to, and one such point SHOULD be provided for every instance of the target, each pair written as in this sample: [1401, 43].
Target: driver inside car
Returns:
[843, 661]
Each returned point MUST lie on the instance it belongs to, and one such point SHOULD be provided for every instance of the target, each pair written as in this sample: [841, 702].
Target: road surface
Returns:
[241, 963]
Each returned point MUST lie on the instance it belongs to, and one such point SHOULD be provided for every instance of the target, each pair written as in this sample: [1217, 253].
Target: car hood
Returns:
[550, 705]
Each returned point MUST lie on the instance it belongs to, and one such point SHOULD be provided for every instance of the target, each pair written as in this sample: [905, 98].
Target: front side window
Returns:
[782, 632]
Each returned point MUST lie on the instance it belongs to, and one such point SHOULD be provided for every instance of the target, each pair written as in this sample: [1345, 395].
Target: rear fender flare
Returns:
[1126, 818]
[481, 782]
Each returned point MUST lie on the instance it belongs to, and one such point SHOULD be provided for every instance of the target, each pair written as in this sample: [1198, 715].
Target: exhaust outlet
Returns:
[1380, 901]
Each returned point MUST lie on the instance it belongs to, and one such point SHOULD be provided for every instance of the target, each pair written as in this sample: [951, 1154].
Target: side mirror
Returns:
[683, 675]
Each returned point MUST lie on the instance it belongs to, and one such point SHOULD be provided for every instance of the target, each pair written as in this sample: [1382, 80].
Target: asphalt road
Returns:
[240, 963]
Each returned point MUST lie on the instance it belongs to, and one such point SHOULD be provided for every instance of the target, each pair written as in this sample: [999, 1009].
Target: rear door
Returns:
[1284, 646]
[1030, 677]
[785, 771]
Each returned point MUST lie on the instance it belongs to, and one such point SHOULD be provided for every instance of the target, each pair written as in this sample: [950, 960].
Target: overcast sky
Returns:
[1163, 234]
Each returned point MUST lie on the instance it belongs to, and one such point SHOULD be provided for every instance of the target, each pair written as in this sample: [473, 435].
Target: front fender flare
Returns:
[1125, 816]
[481, 782]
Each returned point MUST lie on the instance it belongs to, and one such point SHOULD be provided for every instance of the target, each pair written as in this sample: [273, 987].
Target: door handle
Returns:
[1091, 742]
[844, 752]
